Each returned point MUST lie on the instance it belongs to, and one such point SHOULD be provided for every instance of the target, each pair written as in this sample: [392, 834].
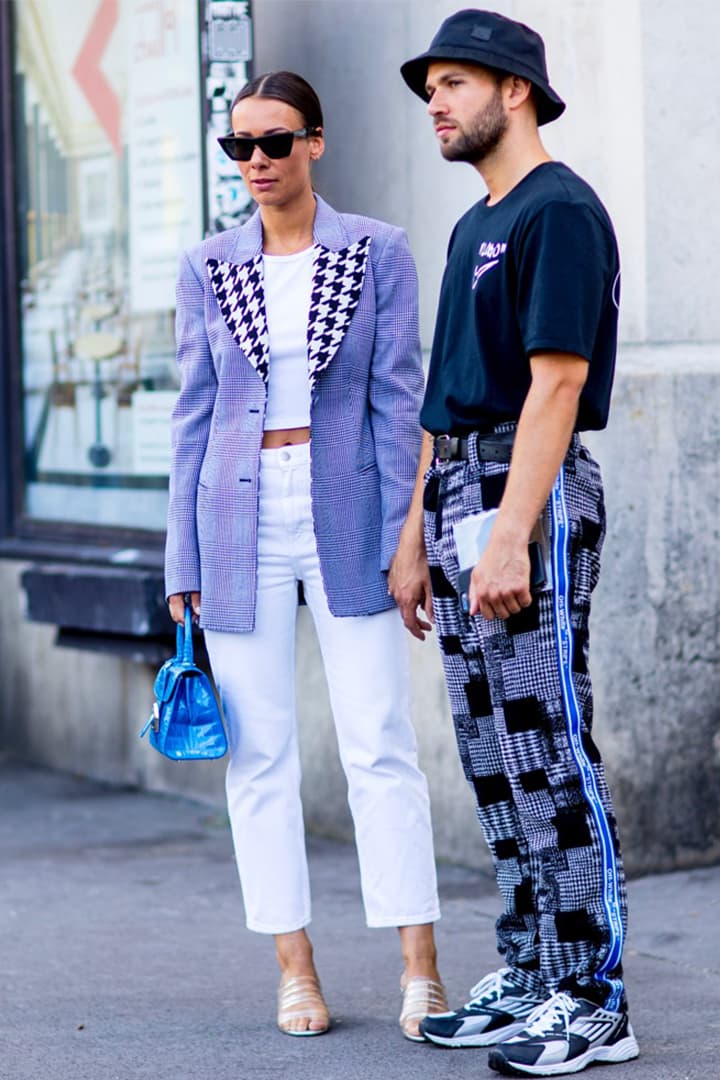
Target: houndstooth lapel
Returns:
[240, 294]
[338, 278]
[337, 283]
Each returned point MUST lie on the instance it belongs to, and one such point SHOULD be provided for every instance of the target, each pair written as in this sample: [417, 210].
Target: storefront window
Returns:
[110, 154]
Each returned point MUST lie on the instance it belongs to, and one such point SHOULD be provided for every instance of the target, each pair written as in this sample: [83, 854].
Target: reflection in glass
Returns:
[109, 180]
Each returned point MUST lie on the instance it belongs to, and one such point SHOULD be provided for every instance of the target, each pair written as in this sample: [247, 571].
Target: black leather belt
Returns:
[495, 447]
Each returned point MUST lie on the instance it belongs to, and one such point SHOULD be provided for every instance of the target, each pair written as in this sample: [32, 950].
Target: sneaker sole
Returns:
[624, 1050]
[486, 1038]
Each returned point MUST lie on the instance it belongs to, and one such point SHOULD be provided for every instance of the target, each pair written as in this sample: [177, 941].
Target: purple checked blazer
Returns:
[366, 378]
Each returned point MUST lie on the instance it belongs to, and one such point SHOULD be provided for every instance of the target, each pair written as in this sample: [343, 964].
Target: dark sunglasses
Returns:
[241, 147]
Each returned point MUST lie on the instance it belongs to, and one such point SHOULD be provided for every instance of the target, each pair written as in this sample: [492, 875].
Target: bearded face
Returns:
[481, 136]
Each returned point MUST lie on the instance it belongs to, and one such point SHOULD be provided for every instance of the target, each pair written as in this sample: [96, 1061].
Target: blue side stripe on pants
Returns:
[610, 875]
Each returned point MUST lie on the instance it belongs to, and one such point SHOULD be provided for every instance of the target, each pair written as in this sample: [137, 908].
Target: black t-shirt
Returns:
[538, 271]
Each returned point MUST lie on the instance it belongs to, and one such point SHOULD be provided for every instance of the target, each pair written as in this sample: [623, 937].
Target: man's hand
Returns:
[409, 584]
[176, 606]
[500, 582]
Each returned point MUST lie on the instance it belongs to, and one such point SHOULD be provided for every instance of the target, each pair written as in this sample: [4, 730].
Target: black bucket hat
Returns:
[493, 41]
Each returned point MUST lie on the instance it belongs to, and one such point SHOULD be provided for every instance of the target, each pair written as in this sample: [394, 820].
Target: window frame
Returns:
[22, 535]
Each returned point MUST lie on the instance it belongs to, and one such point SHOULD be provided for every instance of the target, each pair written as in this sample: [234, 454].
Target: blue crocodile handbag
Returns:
[185, 723]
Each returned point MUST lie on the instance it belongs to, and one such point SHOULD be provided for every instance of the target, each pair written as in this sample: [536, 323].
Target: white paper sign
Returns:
[163, 139]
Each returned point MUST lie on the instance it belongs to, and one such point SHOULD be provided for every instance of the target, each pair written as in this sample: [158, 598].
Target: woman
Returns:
[295, 440]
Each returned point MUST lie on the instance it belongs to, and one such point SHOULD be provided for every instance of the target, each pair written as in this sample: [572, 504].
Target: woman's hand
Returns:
[176, 606]
[409, 584]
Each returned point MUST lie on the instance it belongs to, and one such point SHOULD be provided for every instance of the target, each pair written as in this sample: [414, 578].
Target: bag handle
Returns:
[186, 646]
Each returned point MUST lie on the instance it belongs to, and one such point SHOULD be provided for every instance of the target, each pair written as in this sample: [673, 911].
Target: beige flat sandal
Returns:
[302, 996]
[421, 997]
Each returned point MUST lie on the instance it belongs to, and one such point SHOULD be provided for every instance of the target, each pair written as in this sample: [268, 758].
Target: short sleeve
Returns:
[566, 268]
[451, 241]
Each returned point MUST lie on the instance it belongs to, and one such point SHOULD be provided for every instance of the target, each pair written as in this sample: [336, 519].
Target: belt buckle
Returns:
[443, 447]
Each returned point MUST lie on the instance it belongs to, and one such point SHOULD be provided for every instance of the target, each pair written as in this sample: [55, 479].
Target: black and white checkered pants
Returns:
[521, 701]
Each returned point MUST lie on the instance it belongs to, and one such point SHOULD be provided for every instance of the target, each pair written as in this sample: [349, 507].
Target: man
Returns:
[523, 359]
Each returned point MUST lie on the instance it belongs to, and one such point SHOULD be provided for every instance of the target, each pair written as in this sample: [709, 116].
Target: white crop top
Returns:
[288, 284]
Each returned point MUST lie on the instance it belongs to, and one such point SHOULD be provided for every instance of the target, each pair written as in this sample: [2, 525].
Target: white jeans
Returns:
[366, 665]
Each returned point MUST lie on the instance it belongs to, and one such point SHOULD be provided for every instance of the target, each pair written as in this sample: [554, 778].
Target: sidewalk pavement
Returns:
[124, 955]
